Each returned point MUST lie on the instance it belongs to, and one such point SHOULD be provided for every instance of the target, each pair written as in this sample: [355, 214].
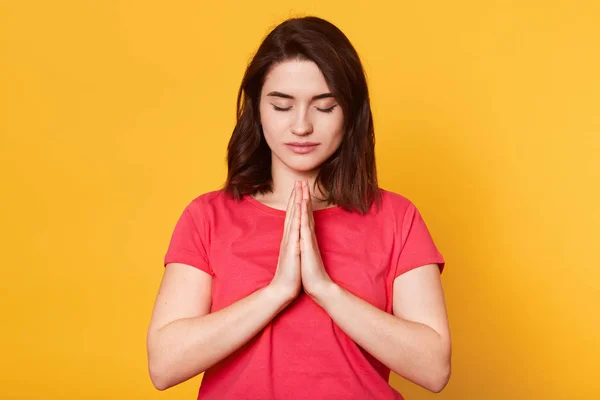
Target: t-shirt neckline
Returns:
[281, 213]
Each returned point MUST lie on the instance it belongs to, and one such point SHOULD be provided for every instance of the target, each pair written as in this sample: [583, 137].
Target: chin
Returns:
[305, 165]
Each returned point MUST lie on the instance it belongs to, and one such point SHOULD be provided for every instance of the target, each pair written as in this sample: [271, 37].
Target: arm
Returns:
[415, 341]
[184, 339]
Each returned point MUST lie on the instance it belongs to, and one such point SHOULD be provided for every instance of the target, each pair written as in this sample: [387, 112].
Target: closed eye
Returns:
[280, 108]
[327, 110]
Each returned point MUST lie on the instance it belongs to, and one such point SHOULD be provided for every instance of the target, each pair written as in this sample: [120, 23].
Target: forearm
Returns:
[413, 350]
[187, 347]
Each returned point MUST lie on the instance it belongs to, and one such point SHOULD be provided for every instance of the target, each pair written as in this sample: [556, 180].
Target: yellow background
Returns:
[115, 114]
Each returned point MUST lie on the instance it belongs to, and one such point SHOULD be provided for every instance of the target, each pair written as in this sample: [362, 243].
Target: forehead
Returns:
[296, 78]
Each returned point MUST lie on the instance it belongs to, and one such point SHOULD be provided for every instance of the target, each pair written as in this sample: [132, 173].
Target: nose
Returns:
[301, 125]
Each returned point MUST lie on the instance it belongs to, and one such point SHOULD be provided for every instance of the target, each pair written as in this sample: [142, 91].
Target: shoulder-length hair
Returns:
[348, 178]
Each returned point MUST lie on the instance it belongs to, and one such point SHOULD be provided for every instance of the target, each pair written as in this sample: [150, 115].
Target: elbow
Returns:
[158, 376]
[440, 376]
[433, 377]
[160, 373]
[440, 380]
[159, 385]
[157, 364]
[165, 373]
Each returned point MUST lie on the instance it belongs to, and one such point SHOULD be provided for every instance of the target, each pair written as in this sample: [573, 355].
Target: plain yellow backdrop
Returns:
[115, 114]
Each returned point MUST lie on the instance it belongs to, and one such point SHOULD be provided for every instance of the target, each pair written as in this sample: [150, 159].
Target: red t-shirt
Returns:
[301, 353]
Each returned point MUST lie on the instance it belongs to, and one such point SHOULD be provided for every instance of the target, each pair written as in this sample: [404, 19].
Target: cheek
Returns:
[273, 126]
[334, 128]
[271, 120]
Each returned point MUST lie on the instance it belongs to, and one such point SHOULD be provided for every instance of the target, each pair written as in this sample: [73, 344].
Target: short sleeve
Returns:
[189, 242]
[418, 247]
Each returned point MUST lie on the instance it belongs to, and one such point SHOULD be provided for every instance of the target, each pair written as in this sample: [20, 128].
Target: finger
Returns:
[306, 197]
[291, 199]
[304, 218]
[298, 189]
[290, 209]
[296, 208]
[310, 214]
[305, 193]
[305, 231]
[295, 227]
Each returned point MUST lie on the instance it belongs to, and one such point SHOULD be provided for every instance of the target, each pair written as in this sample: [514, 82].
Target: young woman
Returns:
[301, 278]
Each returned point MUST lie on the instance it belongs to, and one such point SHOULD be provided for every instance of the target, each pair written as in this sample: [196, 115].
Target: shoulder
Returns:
[208, 198]
[210, 203]
[395, 204]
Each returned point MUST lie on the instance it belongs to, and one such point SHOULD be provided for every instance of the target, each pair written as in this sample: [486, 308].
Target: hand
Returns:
[287, 275]
[315, 278]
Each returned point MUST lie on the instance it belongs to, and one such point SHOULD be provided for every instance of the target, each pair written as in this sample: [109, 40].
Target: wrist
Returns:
[280, 294]
[324, 293]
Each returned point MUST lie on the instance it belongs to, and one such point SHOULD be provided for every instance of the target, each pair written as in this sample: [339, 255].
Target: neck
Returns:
[283, 179]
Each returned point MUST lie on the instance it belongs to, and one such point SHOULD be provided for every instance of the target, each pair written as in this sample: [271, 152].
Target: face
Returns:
[302, 121]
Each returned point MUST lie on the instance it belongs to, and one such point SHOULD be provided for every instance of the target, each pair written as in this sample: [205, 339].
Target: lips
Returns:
[302, 144]
[301, 147]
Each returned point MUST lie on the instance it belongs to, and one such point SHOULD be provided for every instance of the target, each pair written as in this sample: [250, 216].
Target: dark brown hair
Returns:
[349, 177]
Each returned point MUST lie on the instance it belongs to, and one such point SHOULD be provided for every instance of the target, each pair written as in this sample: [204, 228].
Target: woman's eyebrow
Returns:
[287, 96]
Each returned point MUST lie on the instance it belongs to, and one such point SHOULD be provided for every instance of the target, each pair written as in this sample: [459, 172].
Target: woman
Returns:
[301, 278]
